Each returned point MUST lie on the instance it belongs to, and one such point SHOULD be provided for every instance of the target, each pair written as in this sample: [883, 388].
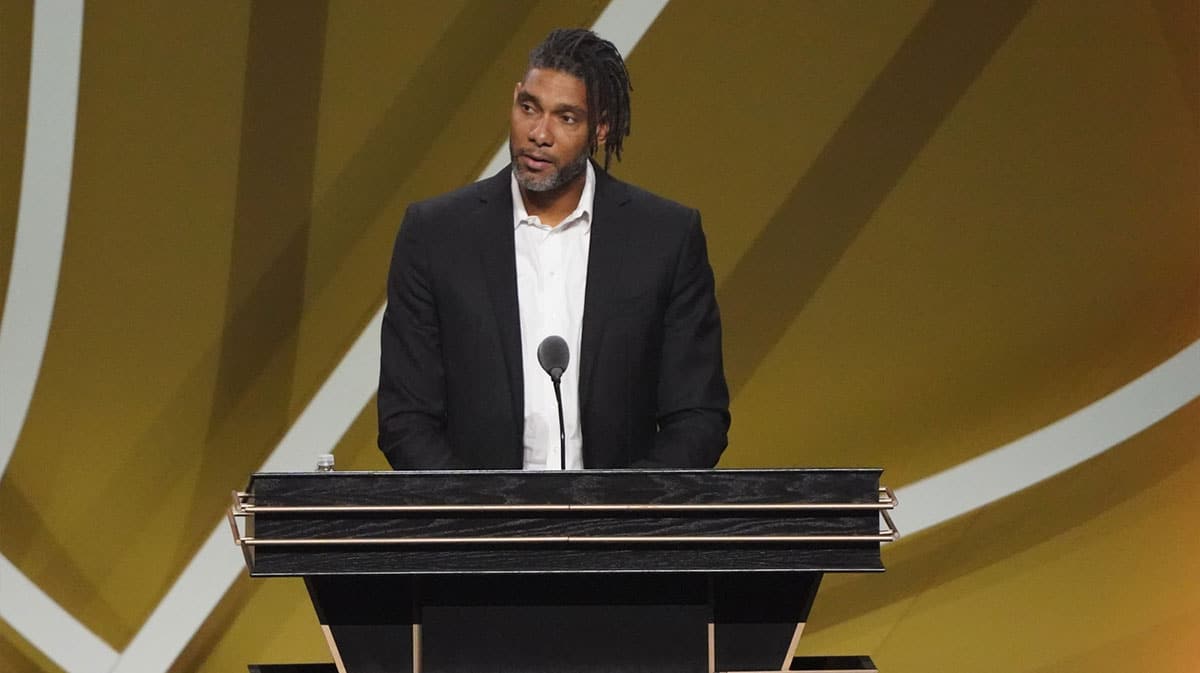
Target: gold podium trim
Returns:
[243, 508]
[243, 504]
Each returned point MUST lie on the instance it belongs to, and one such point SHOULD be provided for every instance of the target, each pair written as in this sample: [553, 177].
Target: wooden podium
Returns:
[596, 571]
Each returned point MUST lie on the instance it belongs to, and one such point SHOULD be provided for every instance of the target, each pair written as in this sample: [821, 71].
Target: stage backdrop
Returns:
[957, 240]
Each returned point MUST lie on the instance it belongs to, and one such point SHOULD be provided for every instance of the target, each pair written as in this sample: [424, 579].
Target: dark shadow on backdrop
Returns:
[264, 299]
[16, 38]
[1180, 24]
[854, 173]
[269, 247]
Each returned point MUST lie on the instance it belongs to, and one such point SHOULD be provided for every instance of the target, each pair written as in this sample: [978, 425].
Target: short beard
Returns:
[552, 180]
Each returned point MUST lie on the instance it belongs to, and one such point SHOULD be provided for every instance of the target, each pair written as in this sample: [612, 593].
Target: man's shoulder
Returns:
[627, 193]
[468, 196]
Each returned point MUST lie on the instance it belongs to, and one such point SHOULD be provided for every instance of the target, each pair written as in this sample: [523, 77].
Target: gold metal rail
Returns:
[883, 536]
[242, 508]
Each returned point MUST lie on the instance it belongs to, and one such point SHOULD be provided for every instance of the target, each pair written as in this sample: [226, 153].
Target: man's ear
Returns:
[601, 132]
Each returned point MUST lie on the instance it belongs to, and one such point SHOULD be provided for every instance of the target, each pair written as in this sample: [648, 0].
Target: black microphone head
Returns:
[553, 356]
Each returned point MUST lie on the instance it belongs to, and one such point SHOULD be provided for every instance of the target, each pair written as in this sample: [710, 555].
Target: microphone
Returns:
[553, 355]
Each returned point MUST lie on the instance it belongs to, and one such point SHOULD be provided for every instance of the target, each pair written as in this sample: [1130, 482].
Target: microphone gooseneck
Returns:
[553, 355]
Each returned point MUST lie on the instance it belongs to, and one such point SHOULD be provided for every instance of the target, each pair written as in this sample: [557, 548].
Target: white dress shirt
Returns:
[551, 279]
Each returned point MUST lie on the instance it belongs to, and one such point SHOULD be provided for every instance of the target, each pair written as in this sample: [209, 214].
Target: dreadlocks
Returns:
[597, 62]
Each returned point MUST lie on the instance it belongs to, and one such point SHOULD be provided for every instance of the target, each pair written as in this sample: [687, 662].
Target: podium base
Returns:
[833, 665]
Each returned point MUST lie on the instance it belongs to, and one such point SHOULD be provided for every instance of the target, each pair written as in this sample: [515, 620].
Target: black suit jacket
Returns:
[651, 382]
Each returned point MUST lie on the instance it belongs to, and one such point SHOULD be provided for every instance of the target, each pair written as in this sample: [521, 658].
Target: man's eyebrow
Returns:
[565, 107]
[526, 97]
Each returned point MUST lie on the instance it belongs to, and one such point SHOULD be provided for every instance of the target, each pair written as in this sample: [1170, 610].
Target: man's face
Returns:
[548, 138]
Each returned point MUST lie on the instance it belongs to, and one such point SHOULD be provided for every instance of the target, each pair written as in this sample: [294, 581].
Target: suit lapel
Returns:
[604, 269]
[498, 259]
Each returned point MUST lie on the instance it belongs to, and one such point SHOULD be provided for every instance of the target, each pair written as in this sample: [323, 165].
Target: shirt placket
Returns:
[549, 317]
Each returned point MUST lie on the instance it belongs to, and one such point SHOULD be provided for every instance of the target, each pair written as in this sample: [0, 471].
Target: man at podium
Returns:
[553, 246]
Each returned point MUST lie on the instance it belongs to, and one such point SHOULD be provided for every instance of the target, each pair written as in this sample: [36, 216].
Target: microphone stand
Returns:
[562, 431]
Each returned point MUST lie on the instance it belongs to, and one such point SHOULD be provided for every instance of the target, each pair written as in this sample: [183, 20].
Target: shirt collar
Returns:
[582, 212]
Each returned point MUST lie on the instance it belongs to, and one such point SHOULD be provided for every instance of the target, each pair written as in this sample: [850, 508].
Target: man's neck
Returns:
[553, 206]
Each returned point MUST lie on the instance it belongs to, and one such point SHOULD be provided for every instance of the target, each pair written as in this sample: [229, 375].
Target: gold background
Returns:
[936, 226]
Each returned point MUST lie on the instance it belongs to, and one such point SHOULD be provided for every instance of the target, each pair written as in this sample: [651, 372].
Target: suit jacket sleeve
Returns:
[412, 386]
[692, 397]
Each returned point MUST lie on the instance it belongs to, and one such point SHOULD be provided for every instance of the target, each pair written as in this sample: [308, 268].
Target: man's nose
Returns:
[540, 132]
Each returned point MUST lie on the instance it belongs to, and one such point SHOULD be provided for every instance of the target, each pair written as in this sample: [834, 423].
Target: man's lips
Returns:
[534, 162]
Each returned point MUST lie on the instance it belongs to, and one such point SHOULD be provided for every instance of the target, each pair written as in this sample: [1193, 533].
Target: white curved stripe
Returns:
[317, 430]
[32, 613]
[42, 213]
[55, 49]
[1057, 447]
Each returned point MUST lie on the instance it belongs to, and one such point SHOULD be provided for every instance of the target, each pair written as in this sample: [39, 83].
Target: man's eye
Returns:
[569, 119]
[526, 107]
